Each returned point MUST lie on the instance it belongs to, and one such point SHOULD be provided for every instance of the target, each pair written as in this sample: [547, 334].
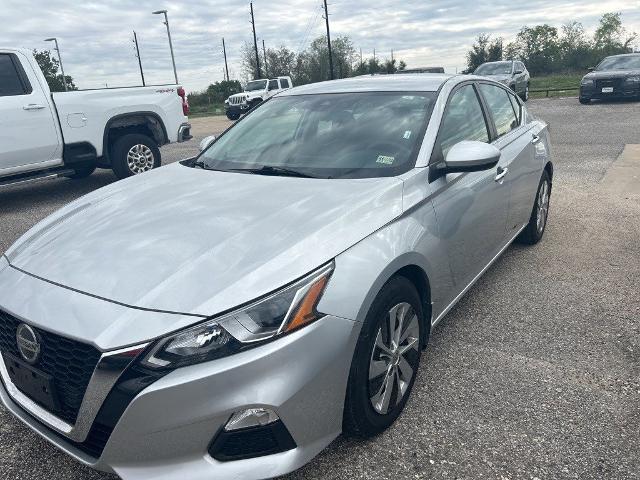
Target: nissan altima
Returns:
[229, 315]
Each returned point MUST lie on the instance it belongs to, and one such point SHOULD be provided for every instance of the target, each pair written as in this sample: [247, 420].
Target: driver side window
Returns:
[462, 120]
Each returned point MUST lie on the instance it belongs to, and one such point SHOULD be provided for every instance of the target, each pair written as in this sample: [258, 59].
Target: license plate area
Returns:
[607, 89]
[35, 384]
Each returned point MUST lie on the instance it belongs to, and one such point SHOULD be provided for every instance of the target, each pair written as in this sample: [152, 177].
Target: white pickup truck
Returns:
[46, 135]
[254, 93]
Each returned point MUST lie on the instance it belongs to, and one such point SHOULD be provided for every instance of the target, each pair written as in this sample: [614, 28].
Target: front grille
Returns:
[235, 100]
[616, 83]
[69, 362]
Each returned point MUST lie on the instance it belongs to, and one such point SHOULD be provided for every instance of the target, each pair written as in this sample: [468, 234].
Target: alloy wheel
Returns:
[543, 206]
[140, 159]
[392, 365]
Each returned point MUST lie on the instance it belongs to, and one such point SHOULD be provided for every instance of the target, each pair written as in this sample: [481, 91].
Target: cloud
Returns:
[97, 50]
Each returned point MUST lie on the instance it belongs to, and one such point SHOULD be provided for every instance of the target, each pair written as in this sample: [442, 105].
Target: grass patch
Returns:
[568, 82]
[205, 110]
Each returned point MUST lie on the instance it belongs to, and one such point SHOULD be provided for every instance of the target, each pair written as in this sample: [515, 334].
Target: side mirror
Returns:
[470, 156]
[206, 141]
[518, 72]
[591, 69]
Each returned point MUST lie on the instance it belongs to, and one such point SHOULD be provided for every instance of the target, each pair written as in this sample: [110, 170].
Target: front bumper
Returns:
[166, 430]
[623, 91]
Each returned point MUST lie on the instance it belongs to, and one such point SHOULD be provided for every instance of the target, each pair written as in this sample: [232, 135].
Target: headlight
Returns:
[634, 79]
[287, 310]
[586, 82]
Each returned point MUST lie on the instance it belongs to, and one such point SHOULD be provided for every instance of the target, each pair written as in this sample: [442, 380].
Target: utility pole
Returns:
[64, 79]
[135, 40]
[326, 17]
[264, 52]
[224, 51]
[255, 42]
[361, 56]
[391, 55]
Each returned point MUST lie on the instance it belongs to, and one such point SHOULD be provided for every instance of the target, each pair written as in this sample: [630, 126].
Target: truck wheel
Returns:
[82, 172]
[133, 154]
[233, 116]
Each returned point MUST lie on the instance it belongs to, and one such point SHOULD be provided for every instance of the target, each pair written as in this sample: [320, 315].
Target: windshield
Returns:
[631, 62]
[256, 85]
[347, 135]
[498, 68]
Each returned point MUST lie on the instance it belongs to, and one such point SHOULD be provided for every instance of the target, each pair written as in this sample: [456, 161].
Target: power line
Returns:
[310, 26]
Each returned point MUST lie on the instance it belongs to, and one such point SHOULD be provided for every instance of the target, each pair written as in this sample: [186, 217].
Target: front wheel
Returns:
[233, 116]
[525, 95]
[584, 100]
[385, 361]
[134, 154]
[534, 230]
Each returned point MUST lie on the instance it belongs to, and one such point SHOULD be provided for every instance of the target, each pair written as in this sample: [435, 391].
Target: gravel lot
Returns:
[534, 374]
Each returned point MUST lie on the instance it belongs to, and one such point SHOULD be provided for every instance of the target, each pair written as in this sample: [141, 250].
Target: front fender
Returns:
[361, 271]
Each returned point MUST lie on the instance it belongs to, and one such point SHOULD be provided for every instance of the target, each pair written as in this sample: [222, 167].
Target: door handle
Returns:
[33, 106]
[501, 173]
[535, 139]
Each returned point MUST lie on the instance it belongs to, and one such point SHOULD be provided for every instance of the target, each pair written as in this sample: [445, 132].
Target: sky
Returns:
[96, 39]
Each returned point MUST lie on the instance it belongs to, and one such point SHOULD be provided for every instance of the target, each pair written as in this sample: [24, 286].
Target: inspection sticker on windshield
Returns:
[407, 135]
[386, 160]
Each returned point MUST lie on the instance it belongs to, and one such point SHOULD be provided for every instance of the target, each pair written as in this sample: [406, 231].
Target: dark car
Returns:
[617, 76]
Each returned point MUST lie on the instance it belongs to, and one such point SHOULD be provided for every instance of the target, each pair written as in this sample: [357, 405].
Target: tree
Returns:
[49, 66]
[609, 38]
[538, 47]
[575, 49]
[484, 50]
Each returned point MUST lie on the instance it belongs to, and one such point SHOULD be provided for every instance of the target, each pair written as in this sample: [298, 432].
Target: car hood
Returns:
[186, 240]
[612, 74]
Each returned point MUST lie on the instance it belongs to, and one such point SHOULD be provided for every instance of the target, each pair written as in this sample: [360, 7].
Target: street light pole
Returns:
[166, 22]
[64, 79]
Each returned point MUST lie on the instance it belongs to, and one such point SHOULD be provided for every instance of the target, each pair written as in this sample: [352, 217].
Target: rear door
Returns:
[28, 133]
[471, 208]
[514, 140]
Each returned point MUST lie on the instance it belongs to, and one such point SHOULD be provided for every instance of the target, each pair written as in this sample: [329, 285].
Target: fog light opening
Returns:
[251, 417]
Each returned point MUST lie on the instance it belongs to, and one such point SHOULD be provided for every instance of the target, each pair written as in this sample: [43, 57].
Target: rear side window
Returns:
[273, 84]
[462, 120]
[12, 81]
[284, 83]
[500, 107]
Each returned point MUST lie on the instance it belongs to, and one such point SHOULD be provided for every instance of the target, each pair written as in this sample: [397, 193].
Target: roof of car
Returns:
[634, 54]
[411, 82]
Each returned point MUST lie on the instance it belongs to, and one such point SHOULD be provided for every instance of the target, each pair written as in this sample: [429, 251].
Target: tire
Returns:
[144, 151]
[81, 172]
[525, 95]
[584, 100]
[233, 116]
[534, 230]
[364, 413]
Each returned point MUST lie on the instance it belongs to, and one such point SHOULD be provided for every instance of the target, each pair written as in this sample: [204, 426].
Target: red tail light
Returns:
[185, 102]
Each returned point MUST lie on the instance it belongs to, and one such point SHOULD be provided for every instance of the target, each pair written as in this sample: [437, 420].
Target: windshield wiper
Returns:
[275, 171]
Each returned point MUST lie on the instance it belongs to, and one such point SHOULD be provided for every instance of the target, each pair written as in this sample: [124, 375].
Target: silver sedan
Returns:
[230, 315]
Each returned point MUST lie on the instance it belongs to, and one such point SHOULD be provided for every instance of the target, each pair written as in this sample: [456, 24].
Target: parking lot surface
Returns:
[534, 374]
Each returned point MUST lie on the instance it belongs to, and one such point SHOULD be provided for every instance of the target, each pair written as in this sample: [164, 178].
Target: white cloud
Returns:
[96, 37]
